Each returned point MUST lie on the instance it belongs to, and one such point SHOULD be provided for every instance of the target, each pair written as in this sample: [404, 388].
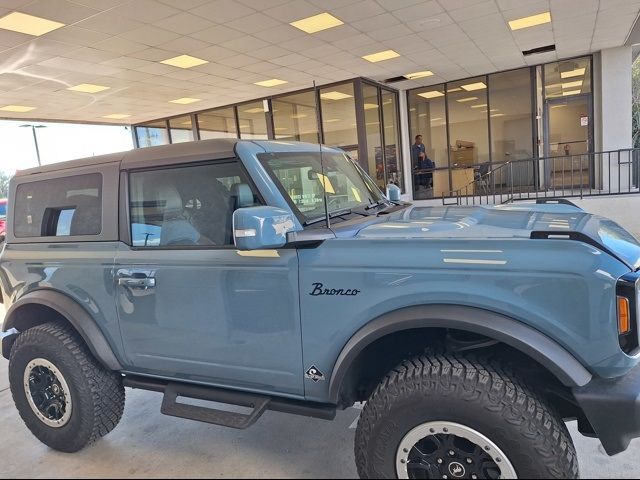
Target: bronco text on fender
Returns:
[267, 275]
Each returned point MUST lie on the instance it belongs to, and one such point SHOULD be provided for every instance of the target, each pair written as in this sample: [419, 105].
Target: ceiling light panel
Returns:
[474, 86]
[317, 23]
[530, 21]
[271, 83]
[185, 100]
[415, 75]
[334, 96]
[184, 61]
[17, 108]
[578, 72]
[434, 94]
[88, 88]
[571, 92]
[572, 84]
[381, 56]
[116, 116]
[23, 23]
[468, 99]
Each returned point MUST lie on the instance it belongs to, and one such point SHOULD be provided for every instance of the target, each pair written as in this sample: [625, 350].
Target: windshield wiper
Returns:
[375, 204]
[337, 213]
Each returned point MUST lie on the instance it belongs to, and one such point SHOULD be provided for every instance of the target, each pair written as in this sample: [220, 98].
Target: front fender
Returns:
[527, 340]
[20, 318]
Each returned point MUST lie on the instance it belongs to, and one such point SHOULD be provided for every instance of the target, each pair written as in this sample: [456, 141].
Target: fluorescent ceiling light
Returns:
[317, 23]
[423, 115]
[453, 90]
[433, 94]
[474, 86]
[184, 61]
[331, 120]
[299, 115]
[188, 124]
[414, 75]
[530, 21]
[17, 108]
[558, 106]
[571, 92]
[468, 99]
[436, 119]
[572, 84]
[334, 95]
[498, 115]
[185, 100]
[370, 106]
[280, 129]
[116, 116]
[23, 23]
[380, 56]
[254, 110]
[479, 106]
[88, 88]
[270, 83]
[578, 72]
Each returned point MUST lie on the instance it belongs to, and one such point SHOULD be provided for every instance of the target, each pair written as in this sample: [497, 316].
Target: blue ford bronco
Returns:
[277, 276]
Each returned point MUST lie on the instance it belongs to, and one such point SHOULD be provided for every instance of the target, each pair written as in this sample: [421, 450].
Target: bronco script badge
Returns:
[318, 289]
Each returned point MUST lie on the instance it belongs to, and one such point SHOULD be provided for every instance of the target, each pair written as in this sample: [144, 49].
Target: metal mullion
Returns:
[237, 120]
[448, 120]
[383, 142]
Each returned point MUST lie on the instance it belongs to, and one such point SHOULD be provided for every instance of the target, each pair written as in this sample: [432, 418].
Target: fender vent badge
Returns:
[314, 374]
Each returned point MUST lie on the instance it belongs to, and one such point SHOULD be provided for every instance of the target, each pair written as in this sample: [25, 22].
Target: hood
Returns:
[508, 221]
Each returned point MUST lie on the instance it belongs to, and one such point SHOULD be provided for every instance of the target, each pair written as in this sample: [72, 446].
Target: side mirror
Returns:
[393, 192]
[258, 228]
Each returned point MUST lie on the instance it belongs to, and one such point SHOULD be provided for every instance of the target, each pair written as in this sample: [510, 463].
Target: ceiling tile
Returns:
[184, 23]
[223, 11]
[58, 10]
[217, 34]
[254, 23]
[109, 22]
[148, 11]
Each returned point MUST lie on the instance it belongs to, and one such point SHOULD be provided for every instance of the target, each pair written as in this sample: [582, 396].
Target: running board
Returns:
[259, 403]
[170, 405]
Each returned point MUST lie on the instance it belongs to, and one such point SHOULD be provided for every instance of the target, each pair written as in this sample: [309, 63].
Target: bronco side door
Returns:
[190, 305]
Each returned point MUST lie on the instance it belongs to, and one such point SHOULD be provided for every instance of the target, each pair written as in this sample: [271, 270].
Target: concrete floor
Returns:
[147, 444]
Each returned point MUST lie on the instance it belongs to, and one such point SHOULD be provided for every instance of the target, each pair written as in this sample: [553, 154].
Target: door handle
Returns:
[145, 283]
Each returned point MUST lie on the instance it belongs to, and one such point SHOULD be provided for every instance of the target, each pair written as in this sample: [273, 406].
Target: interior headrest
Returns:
[242, 195]
[166, 198]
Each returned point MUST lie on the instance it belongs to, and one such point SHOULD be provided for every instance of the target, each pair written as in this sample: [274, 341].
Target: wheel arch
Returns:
[41, 306]
[533, 344]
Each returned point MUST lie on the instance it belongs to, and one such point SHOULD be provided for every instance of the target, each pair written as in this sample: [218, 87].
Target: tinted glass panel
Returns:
[181, 129]
[339, 116]
[374, 138]
[567, 78]
[218, 123]
[59, 207]
[253, 123]
[152, 134]
[188, 206]
[294, 117]
[393, 164]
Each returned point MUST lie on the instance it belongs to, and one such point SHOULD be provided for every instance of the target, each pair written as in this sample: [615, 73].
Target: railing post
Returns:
[511, 175]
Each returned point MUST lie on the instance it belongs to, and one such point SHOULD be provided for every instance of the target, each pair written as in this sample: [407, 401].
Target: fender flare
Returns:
[555, 358]
[75, 314]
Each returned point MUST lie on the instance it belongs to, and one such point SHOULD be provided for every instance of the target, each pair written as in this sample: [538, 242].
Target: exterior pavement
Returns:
[147, 444]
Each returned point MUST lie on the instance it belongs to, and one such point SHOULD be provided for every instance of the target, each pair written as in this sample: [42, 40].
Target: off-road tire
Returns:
[97, 394]
[471, 392]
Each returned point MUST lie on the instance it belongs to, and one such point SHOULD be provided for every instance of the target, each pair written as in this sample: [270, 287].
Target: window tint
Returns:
[60, 207]
[188, 206]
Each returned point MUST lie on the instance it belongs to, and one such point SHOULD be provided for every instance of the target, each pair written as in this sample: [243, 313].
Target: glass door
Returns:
[568, 142]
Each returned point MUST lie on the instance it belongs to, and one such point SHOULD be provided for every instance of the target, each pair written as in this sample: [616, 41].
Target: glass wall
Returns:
[392, 160]
[470, 127]
[152, 134]
[358, 116]
[181, 129]
[295, 117]
[428, 118]
[375, 158]
[339, 127]
[218, 123]
[252, 121]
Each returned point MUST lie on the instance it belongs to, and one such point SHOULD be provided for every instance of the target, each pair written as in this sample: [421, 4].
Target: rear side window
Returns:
[60, 207]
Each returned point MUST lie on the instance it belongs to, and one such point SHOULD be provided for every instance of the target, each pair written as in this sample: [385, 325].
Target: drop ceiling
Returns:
[241, 45]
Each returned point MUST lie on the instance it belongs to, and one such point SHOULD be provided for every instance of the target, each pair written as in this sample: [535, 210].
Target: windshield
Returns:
[301, 178]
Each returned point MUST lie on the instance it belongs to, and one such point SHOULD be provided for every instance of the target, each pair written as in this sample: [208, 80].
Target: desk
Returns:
[460, 177]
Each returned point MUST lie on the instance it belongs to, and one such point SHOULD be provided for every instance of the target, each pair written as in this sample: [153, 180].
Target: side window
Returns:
[188, 206]
[60, 207]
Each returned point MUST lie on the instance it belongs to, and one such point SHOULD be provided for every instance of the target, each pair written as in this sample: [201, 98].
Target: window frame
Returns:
[125, 225]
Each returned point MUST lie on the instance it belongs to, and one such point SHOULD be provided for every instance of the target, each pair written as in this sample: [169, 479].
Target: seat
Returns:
[176, 229]
[241, 196]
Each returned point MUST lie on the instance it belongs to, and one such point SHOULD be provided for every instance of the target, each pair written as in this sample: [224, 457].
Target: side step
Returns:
[259, 403]
[170, 405]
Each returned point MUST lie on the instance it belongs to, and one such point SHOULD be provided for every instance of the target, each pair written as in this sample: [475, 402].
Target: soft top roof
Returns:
[176, 153]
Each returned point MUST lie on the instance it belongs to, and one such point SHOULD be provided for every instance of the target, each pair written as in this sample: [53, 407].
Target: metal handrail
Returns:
[609, 172]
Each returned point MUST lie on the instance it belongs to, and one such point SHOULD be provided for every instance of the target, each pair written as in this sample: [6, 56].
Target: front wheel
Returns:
[449, 416]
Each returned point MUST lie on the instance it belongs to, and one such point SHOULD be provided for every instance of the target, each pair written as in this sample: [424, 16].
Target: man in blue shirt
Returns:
[421, 161]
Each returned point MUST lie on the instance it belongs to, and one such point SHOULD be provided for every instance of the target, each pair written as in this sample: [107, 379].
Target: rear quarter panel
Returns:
[564, 289]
